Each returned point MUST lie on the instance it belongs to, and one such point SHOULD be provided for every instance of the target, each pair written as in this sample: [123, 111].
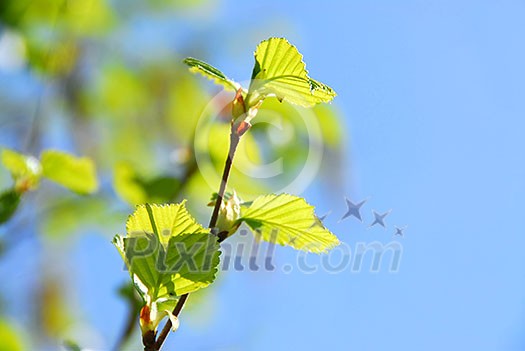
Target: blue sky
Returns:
[432, 94]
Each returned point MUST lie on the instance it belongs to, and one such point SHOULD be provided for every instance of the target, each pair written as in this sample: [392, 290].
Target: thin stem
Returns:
[234, 142]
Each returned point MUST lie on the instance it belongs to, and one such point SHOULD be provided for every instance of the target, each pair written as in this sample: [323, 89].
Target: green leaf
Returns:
[280, 71]
[288, 220]
[168, 254]
[25, 170]
[75, 173]
[210, 72]
[9, 201]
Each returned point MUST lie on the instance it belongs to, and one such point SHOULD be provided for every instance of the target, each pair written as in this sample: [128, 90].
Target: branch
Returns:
[234, 142]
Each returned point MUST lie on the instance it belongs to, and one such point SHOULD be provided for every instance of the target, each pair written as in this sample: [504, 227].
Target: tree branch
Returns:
[234, 142]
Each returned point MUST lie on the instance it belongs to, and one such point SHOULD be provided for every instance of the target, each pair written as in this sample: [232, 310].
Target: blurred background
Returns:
[428, 123]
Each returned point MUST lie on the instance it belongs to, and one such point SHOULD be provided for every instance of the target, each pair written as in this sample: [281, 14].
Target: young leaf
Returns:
[211, 72]
[168, 254]
[288, 220]
[25, 170]
[229, 212]
[280, 71]
[76, 174]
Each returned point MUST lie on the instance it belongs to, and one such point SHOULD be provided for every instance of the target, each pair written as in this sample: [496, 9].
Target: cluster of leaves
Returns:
[85, 19]
[168, 254]
[75, 174]
[279, 71]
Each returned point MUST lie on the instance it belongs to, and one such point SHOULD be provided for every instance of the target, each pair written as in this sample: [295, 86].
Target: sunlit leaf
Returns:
[280, 71]
[211, 72]
[168, 254]
[288, 220]
[25, 170]
[75, 173]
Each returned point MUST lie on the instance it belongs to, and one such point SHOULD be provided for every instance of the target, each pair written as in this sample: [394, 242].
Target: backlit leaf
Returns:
[168, 254]
[211, 72]
[280, 71]
[288, 220]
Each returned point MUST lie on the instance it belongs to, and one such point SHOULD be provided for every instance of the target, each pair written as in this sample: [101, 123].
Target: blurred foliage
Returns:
[25, 170]
[75, 174]
[10, 339]
[67, 216]
[71, 346]
[135, 189]
[94, 91]
[53, 27]
[330, 125]
[9, 201]
[54, 316]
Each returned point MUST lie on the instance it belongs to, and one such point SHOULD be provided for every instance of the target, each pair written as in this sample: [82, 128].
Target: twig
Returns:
[234, 142]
